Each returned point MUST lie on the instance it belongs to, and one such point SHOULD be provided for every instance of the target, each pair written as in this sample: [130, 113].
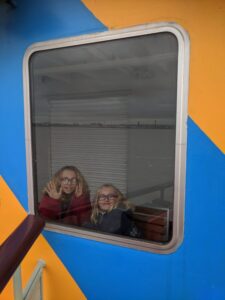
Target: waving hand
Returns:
[51, 190]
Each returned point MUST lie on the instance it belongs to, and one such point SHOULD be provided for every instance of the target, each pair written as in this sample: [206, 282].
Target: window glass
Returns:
[109, 108]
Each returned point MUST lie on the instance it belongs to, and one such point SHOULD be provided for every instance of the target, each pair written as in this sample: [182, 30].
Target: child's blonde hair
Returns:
[121, 201]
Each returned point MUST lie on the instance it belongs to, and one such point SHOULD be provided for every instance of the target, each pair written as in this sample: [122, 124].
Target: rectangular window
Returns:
[113, 105]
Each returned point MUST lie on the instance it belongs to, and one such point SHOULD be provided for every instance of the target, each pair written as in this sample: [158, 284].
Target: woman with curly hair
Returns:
[66, 197]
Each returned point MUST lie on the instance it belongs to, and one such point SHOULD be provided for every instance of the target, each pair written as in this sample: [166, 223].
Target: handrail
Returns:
[16, 246]
[148, 190]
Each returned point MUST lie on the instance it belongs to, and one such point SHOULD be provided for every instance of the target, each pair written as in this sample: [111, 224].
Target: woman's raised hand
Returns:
[78, 190]
[51, 190]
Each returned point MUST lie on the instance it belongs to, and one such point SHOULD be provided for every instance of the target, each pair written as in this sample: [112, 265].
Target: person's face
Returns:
[68, 181]
[107, 198]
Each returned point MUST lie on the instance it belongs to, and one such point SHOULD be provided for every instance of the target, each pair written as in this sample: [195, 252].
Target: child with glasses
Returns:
[112, 213]
[66, 197]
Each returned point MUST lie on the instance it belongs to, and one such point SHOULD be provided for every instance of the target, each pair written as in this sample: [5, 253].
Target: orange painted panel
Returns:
[57, 281]
[205, 23]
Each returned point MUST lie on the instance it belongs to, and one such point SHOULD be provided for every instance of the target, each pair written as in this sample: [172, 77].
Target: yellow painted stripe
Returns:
[205, 23]
[57, 281]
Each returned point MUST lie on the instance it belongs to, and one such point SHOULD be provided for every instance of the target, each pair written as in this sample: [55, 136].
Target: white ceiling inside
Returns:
[131, 79]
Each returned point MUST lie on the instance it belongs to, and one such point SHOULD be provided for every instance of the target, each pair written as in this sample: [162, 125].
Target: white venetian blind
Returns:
[99, 153]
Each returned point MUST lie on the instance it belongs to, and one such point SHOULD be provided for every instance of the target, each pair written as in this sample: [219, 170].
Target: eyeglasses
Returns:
[103, 197]
[66, 180]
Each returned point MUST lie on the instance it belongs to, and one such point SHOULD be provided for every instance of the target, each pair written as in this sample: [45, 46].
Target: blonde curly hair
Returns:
[84, 189]
[120, 202]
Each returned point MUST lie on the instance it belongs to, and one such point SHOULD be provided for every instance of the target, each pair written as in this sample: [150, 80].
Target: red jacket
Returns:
[76, 212]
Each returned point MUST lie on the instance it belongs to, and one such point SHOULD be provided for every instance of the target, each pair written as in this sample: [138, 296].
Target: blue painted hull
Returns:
[196, 271]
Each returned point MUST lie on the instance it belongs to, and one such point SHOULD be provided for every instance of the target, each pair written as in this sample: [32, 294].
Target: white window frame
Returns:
[181, 131]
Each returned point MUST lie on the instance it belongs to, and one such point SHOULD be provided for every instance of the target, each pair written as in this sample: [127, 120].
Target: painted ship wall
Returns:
[83, 269]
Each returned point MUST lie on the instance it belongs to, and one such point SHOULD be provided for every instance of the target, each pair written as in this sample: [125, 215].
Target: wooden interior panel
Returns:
[153, 222]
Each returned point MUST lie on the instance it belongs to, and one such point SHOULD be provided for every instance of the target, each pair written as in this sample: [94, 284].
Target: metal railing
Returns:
[156, 188]
[12, 252]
